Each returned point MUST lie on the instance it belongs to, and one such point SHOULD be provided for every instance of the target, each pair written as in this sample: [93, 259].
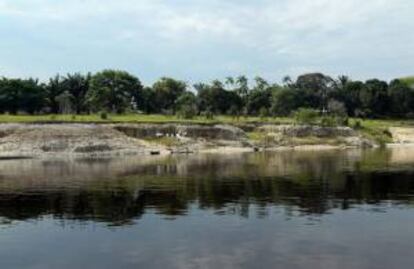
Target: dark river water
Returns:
[333, 209]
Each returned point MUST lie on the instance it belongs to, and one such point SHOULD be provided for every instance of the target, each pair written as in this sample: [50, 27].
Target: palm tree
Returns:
[243, 86]
[230, 82]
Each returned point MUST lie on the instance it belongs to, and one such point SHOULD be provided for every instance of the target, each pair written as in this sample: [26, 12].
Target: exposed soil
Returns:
[92, 140]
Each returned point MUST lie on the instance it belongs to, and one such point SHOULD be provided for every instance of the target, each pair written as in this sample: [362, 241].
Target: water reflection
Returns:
[121, 191]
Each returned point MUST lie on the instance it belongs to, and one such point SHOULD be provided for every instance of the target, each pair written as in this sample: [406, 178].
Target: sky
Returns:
[202, 40]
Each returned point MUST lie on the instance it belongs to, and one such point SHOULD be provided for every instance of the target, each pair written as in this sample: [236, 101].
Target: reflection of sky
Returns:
[357, 238]
[201, 40]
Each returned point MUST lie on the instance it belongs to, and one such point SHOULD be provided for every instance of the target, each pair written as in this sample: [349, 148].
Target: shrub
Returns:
[306, 116]
[328, 121]
[263, 112]
[387, 133]
[337, 108]
[187, 112]
[345, 121]
[167, 112]
[357, 125]
[234, 111]
[208, 114]
[103, 115]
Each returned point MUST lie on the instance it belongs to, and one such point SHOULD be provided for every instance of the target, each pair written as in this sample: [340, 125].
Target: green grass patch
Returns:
[378, 130]
[135, 118]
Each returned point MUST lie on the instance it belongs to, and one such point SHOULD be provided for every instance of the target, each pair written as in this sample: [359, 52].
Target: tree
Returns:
[24, 95]
[166, 91]
[112, 90]
[242, 87]
[401, 99]
[32, 96]
[186, 105]
[286, 100]
[374, 98]
[261, 84]
[77, 85]
[54, 88]
[230, 82]
[349, 94]
[316, 88]
[259, 99]
[215, 98]
[341, 82]
[65, 103]
[147, 101]
[287, 81]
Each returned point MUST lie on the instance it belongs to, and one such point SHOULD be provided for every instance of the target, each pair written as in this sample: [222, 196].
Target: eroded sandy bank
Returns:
[94, 140]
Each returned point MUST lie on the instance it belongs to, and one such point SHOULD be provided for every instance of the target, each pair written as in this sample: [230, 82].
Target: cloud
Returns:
[202, 39]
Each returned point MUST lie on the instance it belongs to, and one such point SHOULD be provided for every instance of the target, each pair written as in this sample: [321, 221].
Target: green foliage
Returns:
[208, 114]
[234, 111]
[113, 91]
[374, 97]
[77, 86]
[25, 95]
[65, 102]
[186, 105]
[263, 112]
[103, 115]
[187, 112]
[120, 92]
[166, 93]
[357, 125]
[328, 121]
[215, 98]
[54, 89]
[381, 135]
[147, 102]
[401, 99]
[409, 81]
[258, 99]
[315, 89]
[186, 99]
[336, 108]
[306, 116]
[285, 101]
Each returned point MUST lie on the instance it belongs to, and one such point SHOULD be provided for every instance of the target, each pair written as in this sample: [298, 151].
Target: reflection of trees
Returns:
[119, 192]
[121, 202]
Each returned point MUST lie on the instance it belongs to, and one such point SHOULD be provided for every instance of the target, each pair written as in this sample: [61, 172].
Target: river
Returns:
[288, 209]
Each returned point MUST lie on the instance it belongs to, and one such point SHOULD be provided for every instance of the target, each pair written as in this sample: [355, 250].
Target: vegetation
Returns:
[408, 81]
[118, 92]
[306, 116]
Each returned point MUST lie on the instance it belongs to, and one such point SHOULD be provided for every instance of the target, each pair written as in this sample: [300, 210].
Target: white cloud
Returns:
[262, 36]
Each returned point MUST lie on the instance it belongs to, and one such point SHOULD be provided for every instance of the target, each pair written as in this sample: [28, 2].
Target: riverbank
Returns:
[18, 140]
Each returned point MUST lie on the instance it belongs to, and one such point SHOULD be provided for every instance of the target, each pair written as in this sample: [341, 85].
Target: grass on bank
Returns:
[155, 118]
[136, 118]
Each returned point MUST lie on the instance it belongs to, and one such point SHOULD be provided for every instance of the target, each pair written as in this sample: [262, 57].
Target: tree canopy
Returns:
[114, 91]
[118, 91]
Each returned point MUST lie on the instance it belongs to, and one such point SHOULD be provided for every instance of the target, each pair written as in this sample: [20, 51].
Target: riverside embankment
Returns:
[100, 140]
